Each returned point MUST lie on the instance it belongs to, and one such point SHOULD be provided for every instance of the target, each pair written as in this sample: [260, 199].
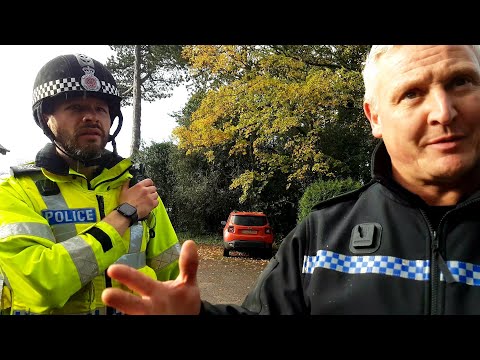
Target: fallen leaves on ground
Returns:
[215, 252]
[226, 279]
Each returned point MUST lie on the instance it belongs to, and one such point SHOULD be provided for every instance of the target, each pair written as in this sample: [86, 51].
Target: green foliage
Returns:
[162, 68]
[202, 197]
[157, 160]
[194, 192]
[209, 239]
[323, 190]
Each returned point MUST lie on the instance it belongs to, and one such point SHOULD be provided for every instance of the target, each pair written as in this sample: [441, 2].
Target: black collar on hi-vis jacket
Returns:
[49, 159]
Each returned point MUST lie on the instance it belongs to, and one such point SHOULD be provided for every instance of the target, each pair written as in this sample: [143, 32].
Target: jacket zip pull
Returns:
[441, 262]
[434, 242]
[445, 270]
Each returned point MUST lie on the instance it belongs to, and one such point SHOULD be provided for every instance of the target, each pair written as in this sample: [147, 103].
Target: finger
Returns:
[146, 182]
[124, 301]
[188, 263]
[133, 279]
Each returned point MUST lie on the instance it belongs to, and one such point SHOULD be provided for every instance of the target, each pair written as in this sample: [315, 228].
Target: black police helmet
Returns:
[74, 75]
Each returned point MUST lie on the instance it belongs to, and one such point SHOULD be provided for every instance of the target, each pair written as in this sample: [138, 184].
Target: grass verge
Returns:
[208, 239]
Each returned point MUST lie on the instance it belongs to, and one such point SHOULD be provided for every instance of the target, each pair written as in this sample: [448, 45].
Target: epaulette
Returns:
[45, 186]
[342, 197]
[28, 169]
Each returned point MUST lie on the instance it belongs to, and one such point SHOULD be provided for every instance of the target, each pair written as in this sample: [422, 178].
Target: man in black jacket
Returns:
[405, 243]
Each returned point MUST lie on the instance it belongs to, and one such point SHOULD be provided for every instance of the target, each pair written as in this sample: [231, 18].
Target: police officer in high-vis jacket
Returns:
[75, 211]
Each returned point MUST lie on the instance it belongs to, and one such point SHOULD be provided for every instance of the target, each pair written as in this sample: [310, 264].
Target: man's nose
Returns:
[442, 108]
[90, 115]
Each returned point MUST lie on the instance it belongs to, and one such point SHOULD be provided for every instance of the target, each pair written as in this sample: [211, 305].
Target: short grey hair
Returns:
[370, 68]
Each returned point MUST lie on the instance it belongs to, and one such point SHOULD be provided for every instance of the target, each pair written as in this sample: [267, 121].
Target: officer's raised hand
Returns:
[143, 196]
[175, 297]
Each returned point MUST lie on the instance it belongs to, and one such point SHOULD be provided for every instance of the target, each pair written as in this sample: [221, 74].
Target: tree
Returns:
[277, 107]
[146, 72]
[137, 101]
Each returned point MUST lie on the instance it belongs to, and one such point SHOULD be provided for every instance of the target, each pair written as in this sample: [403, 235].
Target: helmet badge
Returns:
[89, 81]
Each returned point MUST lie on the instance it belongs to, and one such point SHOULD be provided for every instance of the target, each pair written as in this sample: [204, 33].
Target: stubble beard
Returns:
[82, 152]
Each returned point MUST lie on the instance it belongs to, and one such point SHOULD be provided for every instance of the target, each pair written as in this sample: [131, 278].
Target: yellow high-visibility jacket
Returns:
[55, 248]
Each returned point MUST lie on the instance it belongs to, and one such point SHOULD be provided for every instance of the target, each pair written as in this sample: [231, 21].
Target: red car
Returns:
[247, 232]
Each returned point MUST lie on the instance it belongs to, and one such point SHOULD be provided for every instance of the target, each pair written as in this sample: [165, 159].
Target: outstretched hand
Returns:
[174, 297]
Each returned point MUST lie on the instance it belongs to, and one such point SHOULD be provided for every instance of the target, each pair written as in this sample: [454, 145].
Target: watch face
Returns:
[127, 209]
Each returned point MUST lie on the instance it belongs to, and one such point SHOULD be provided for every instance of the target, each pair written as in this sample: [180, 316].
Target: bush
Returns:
[323, 190]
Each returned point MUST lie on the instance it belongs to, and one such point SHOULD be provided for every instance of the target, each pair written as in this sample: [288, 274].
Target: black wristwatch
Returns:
[129, 212]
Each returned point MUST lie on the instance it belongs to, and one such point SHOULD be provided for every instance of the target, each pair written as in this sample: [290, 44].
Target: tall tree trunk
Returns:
[137, 103]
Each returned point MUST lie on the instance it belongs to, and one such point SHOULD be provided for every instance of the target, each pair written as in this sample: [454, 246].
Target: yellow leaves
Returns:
[287, 68]
[205, 130]
[209, 155]
[216, 58]
[268, 111]
[244, 181]
[332, 88]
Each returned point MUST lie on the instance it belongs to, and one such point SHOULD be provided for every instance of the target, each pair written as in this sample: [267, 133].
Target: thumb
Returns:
[188, 263]
[125, 185]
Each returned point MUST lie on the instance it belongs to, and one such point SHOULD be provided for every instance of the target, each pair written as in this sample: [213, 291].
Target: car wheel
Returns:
[226, 252]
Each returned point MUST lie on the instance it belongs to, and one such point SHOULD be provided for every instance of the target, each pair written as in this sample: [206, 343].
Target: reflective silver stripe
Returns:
[24, 228]
[136, 234]
[165, 258]
[62, 231]
[135, 260]
[134, 257]
[5, 278]
[83, 257]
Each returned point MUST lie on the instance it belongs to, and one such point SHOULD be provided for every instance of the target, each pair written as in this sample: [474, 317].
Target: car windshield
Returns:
[249, 220]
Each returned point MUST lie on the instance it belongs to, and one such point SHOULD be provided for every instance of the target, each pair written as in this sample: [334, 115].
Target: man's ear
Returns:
[45, 118]
[374, 119]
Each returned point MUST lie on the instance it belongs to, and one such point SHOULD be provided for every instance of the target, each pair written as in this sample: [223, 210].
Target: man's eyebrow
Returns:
[468, 70]
[74, 103]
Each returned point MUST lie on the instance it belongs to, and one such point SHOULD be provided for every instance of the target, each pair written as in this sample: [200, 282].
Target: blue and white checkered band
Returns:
[462, 272]
[55, 87]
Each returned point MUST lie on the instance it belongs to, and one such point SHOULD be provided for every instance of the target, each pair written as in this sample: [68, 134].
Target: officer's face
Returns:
[428, 114]
[81, 126]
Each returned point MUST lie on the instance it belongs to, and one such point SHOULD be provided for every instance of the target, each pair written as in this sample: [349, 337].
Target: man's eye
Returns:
[460, 81]
[411, 94]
